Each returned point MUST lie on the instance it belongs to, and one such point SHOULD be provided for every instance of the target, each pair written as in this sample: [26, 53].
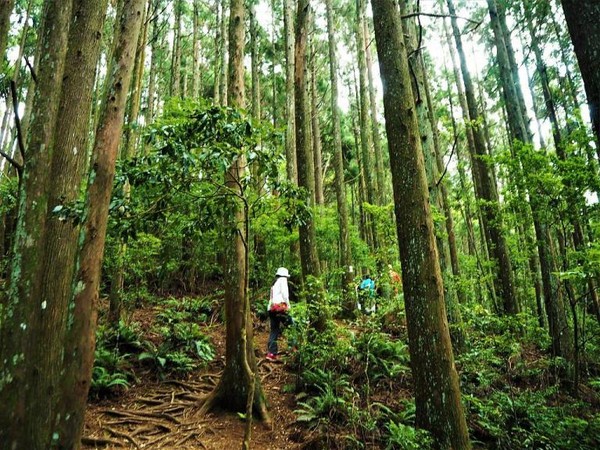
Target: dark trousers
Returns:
[278, 320]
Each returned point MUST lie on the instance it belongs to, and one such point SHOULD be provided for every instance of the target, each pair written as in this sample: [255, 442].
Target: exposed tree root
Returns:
[137, 414]
[123, 435]
[216, 396]
[98, 441]
[165, 419]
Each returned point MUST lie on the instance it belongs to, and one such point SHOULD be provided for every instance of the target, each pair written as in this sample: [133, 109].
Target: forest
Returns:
[299, 224]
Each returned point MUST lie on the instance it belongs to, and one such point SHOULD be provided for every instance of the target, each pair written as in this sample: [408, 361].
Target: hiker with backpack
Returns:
[366, 294]
[278, 309]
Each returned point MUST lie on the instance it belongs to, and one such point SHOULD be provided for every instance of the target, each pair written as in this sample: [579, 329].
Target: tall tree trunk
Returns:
[29, 377]
[514, 67]
[260, 247]
[364, 109]
[6, 7]
[176, 51]
[437, 394]
[80, 343]
[239, 381]
[556, 134]
[428, 139]
[486, 189]
[290, 142]
[223, 80]
[69, 167]
[516, 122]
[308, 245]
[43, 344]
[520, 131]
[128, 150]
[274, 111]
[583, 17]
[135, 95]
[316, 135]
[445, 199]
[338, 164]
[572, 86]
[365, 128]
[542, 72]
[518, 125]
[196, 76]
[219, 48]
[255, 62]
[377, 147]
[470, 141]
[155, 43]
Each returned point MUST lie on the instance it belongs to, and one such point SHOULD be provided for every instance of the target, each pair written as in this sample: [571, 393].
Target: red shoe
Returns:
[271, 357]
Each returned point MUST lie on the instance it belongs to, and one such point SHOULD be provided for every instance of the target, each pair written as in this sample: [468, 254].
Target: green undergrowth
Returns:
[352, 391]
[354, 385]
[515, 392]
[170, 342]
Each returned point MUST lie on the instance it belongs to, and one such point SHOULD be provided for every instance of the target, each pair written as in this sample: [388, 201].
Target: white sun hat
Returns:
[282, 272]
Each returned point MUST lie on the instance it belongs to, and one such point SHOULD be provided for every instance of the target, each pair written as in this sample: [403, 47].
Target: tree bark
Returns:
[582, 18]
[176, 52]
[28, 380]
[437, 394]
[255, 63]
[6, 7]
[239, 381]
[135, 95]
[79, 348]
[514, 67]
[308, 250]
[338, 164]
[69, 165]
[428, 138]
[316, 135]
[156, 39]
[196, 76]
[377, 147]
[219, 47]
[290, 143]
[454, 314]
[223, 80]
[366, 141]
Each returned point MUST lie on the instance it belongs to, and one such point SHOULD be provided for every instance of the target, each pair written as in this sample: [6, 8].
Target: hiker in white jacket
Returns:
[279, 305]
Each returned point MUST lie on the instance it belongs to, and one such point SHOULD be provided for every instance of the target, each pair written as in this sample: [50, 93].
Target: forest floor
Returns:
[163, 414]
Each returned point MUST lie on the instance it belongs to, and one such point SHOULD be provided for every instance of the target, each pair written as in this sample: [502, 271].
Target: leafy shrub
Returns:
[405, 437]
[105, 382]
[183, 309]
[126, 338]
[332, 403]
[111, 372]
[525, 419]
[184, 347]
[380, 356]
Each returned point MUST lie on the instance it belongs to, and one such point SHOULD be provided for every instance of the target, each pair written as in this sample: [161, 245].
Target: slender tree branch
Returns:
[421, 13]
[448, 163]
[13, 163]
[15, 100]
[31, 69]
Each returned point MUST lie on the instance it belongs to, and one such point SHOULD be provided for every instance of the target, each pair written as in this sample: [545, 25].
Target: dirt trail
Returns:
[163, 415]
